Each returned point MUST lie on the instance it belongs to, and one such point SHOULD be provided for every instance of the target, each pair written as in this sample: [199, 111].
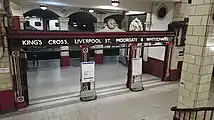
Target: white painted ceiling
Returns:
[125, 4]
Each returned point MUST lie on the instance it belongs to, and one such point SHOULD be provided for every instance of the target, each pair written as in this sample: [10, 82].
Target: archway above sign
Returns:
[81, 21]
[41, 13]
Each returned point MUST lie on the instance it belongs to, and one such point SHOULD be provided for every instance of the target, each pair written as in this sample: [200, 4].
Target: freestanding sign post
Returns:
[137, 78]
[87, 91]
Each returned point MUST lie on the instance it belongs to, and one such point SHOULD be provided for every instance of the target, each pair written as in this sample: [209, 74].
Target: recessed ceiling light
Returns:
[134, 12]
[84, 25]
[75, 25]
[115, 3]
[91, 10]
[43, 7]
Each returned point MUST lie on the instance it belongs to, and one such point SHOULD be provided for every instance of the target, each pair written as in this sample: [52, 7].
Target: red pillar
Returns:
[99, 58]
[98, 54]
[64, 56]
[16, 22]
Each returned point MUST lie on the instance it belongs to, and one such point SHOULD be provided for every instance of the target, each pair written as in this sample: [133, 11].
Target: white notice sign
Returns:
[137, 66]
[4, 70]
[87, 71]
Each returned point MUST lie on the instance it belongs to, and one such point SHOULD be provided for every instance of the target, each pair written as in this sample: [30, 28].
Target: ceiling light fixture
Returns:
[91, 10]
[43, 7]
[115, 3]
[135, 13]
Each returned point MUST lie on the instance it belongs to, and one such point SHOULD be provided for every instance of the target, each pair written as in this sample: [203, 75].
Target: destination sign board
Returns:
[80, 41]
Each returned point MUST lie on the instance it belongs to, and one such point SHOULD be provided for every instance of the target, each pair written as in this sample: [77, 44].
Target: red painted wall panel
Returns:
[176, 74]
[7, 101]
[64, 61]
[98, 58]
[154, 67]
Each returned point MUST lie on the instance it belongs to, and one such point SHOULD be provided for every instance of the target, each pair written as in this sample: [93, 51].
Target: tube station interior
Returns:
[61, 53]
[57, 71]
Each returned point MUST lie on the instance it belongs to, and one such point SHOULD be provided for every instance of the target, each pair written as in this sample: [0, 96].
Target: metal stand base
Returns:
[88, 95]
[137, 86]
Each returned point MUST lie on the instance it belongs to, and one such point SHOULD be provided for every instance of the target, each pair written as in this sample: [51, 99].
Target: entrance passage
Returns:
[46, 79]
[53, 66]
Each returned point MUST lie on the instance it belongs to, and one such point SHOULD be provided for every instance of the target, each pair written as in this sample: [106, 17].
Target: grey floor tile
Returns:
[154, 103]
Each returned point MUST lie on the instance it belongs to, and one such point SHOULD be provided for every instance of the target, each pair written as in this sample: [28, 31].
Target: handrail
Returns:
[186, 113]
[192, 109]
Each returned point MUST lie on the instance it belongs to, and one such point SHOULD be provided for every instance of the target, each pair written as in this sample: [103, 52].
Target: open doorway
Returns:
[111, 73]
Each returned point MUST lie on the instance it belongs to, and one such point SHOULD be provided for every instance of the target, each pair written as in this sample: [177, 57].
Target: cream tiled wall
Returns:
[198, 56]
[5, 77]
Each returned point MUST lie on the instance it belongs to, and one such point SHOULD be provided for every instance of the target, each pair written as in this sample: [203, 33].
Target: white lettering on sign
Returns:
[157, 39]
[87, 41]
[31, 42]
[4, 70]
[126, 40]
[58, 42]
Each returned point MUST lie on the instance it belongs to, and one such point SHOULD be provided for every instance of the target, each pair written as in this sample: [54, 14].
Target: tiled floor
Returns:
[114, 102]
[153, 103]
[56, 81]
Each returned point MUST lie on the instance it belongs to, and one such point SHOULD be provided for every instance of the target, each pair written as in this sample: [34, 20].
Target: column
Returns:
[22, 20]
[98, 54]
[7, 102]
[16, 23]
[63, 23]
[64, 54]
[181, 11]
[198, 56]
[148, 21]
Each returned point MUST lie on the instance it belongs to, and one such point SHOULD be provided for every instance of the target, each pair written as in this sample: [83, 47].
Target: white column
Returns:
[148, 21]
[65, 58]
[198, 57]
[22, 20]
[98, 54]
[63, 23]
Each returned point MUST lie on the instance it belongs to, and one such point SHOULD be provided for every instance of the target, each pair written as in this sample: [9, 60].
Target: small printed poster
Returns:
[4, 70]
[87, 71]
[137, 66]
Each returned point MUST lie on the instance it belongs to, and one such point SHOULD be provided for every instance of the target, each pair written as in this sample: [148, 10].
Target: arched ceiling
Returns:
[41, 13]
[118, 18]
[85, 17]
